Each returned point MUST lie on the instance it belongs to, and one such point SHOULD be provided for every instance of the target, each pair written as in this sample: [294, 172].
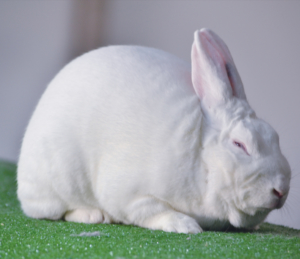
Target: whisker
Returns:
[295, 176]
[294, 191]
[285, 213]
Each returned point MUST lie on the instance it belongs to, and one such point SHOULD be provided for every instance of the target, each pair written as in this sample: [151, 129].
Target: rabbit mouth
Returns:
[278, 204]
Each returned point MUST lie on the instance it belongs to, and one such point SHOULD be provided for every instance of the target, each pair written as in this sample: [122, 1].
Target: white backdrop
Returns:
[38, 37]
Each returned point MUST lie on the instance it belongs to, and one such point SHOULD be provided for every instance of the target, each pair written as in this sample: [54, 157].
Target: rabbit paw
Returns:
[176, 222]
[89, 216]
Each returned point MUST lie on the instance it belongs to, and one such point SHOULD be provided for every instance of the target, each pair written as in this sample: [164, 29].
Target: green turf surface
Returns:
[22, 237]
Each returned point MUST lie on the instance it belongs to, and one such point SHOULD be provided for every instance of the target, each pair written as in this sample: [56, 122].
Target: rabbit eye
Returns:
[240, 145]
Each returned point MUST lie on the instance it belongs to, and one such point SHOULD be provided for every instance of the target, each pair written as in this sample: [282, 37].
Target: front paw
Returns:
[175, 222]
[88, 216]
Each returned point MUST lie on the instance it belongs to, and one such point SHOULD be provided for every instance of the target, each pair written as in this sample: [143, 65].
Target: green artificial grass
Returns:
[22, 237]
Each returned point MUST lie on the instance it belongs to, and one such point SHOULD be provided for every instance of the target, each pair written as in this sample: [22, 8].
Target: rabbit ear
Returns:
[214, 75]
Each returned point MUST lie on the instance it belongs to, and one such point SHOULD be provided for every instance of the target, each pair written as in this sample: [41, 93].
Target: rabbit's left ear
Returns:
[214, 75]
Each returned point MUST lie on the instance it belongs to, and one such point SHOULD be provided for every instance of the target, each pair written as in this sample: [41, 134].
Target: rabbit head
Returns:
[246, 170]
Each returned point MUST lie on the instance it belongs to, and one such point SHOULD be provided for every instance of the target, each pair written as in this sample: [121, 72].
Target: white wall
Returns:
[38, 37]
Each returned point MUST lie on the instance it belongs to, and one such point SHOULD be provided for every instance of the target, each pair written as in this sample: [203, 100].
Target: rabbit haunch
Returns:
[129, 134]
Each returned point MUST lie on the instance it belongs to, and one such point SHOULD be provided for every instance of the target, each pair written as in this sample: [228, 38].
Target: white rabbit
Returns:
[128, 134]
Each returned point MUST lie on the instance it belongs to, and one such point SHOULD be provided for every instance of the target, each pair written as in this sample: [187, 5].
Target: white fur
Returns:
[122, 134]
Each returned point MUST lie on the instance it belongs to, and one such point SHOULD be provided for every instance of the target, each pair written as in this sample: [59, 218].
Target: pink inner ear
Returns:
[196, 72]
[223, 56]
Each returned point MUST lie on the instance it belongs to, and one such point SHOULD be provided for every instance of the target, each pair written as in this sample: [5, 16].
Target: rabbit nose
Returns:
[279, 194]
